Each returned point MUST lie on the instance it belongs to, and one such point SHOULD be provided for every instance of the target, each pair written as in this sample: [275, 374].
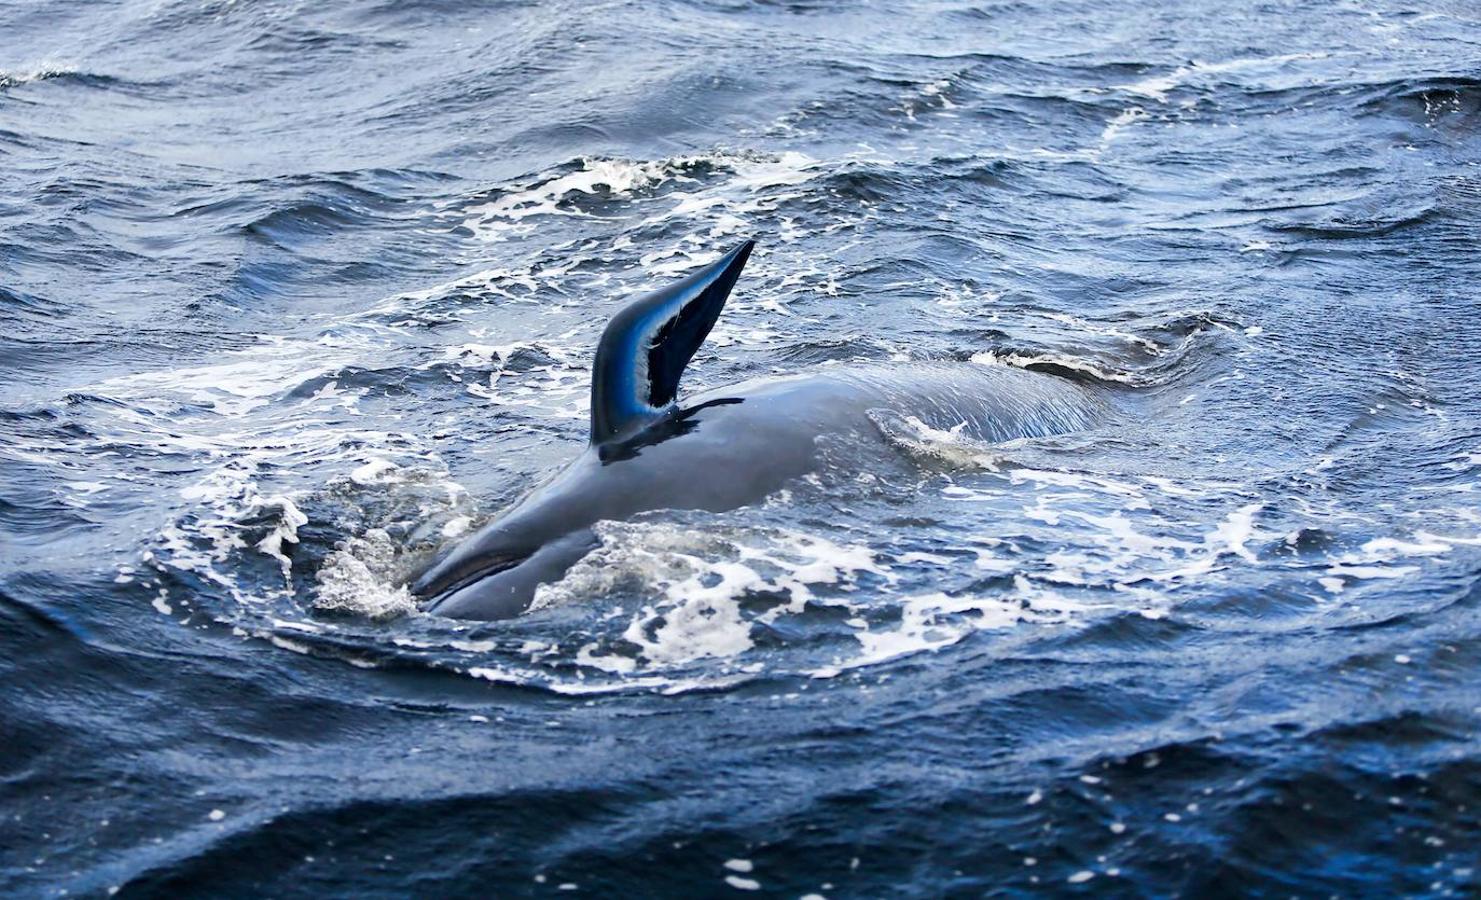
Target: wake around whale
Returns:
[719, 450]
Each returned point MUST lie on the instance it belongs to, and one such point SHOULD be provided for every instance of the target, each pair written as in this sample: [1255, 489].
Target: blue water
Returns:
[292, 295]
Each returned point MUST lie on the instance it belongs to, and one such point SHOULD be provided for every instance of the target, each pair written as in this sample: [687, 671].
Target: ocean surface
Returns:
[294, 294]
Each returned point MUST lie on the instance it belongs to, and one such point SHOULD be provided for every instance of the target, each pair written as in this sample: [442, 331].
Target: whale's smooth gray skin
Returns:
[721, 449]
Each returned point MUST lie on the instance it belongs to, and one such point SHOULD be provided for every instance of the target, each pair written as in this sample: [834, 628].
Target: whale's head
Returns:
[493, 573]
[635, 379]
[500, 583]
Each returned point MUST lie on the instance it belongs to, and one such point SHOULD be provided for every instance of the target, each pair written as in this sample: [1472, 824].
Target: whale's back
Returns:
[988, 403]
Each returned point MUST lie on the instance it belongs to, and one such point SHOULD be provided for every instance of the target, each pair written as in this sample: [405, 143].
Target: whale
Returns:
[721, 449]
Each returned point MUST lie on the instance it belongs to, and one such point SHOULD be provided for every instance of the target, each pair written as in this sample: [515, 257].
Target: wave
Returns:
[1375, 214]
[1426, 99]
[18, 303]
[53, 72]
[1145, 353]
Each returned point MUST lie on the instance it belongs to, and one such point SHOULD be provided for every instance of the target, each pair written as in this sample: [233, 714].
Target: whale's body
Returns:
[722, 449]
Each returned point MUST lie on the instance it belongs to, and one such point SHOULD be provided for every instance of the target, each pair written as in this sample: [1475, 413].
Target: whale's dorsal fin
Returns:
[647, 345]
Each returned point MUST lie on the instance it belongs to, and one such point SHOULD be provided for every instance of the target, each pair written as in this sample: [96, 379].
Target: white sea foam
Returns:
[1158, 87]
[695, 586]
[936, 620]
[1385, 559]
[720, 188]
[358, 578]
[246, 380]
[235, 512]
[614, 177]
[1023, 360]
[39, 71]
[705, 594]
[1114, 127]
[556, 390]
[950, 446]
[932, 96]
[288, 518]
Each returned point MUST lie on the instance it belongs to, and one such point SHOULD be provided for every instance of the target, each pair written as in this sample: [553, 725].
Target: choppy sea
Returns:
[294, 294]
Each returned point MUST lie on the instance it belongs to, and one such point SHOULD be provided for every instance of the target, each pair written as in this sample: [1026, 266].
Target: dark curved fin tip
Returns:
[645, 348]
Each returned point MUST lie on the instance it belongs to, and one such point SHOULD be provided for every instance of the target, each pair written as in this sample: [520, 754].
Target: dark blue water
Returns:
[294, 294]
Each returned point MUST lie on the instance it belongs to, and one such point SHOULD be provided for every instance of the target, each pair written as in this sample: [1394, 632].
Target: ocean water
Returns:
[293, 294]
